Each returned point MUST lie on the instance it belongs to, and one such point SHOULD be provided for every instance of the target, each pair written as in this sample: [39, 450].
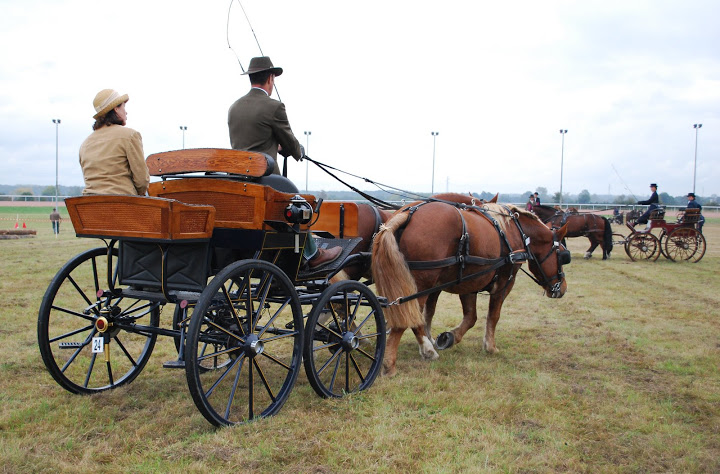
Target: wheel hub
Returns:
[253, 346]
[350, 342]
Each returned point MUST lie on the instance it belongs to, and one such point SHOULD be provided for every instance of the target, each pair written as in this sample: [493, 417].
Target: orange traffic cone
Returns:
[24, 226]
[17, 225]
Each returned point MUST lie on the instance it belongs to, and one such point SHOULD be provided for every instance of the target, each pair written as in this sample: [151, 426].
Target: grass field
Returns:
[620, 375]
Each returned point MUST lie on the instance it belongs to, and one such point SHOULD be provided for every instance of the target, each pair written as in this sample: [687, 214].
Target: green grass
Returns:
[620, 375]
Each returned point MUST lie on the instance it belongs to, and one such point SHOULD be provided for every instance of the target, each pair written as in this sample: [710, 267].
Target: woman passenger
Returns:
[112, 158]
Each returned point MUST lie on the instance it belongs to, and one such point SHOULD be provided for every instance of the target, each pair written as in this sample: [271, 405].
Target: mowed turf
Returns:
[620, 375]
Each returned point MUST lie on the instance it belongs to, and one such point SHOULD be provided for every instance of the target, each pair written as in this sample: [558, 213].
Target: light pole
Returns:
[307, 149]
[432, 185]
[183, 128]
[696, 126]
[562, 158]
[57, 123]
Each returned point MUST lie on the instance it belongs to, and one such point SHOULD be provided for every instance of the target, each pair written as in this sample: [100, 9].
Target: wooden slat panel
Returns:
[139, 217]
[329, 220]
[208, 159]
[238, 204]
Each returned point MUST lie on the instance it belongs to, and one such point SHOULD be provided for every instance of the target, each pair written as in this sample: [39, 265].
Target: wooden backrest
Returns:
[197, 160]
[139, 217]
[691, 216]
[238, 204]
[657, 214]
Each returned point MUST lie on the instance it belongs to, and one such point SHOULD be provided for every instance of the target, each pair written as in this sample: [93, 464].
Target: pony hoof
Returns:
[389, 372]
[445, 341]
[587, 256]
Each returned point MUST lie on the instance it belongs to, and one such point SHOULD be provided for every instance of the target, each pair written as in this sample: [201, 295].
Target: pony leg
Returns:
[493, 316]
[593, 245]
[450, 338]
[391, 348]
[427, 351]
[428, 313]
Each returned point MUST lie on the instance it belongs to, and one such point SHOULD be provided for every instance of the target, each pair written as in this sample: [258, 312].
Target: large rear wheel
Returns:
[92, 339]
[685, 243]
[244, 343]
[344, 340]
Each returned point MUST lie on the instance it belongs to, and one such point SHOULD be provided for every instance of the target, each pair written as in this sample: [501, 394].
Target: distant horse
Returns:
[432, 246]
[596, 228]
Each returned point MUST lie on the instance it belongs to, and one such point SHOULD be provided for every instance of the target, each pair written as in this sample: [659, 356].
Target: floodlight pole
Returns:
[696, 126]
[57, 124]
[562, 159]
[432, 185]
[183, 128]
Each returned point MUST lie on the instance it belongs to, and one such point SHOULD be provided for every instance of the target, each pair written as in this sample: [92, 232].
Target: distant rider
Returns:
[693, 204]
[652, 203]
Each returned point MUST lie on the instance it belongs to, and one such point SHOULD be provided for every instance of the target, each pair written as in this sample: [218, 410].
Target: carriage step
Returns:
[70, 345]
[174, 364]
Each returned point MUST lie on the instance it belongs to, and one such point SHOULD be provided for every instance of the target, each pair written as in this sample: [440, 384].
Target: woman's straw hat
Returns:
[106, 100]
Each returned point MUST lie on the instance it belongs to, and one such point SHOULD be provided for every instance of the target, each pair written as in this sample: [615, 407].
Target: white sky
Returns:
[371, 80]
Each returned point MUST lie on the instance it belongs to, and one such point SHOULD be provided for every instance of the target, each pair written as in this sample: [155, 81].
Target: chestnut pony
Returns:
[580, 224]
[433, 246]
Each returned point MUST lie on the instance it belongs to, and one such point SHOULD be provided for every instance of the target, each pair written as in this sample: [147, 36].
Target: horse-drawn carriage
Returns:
[681, 240]
[219, 241]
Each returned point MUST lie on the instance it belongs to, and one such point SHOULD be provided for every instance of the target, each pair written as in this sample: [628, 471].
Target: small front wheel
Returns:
[642, 246]
[344, 340]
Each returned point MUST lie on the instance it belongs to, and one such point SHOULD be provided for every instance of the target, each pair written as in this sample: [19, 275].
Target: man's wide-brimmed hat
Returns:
[106, 100]
[653, 185]
[262, 63]
[691, 195]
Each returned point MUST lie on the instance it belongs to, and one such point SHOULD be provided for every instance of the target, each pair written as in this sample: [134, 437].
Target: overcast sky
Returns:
[371, 80]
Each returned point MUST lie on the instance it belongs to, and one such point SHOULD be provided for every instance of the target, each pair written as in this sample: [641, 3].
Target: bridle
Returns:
[563, 258]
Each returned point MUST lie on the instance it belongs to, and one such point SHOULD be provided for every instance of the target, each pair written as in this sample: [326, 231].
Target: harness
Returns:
[462, 256]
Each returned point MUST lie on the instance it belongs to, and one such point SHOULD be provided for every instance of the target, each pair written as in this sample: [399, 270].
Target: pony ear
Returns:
[494, 200]
[560, 233]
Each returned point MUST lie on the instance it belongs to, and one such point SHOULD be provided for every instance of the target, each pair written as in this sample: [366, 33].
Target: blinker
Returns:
[564, 257]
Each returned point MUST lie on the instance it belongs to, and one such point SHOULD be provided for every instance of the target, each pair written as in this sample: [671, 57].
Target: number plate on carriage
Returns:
[98, 345]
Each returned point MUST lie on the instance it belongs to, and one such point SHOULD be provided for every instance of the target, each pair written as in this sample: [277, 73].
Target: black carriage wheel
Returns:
[344, 340]
[685, 243]
[642, 246]
[244, 344]
[76, 308]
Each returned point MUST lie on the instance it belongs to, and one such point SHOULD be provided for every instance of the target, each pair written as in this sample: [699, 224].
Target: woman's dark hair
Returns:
[110, 118]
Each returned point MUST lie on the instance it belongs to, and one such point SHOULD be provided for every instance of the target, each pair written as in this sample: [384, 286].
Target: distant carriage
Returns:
[681, 240]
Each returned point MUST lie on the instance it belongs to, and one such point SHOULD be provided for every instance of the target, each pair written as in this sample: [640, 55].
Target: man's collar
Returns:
[261, 89]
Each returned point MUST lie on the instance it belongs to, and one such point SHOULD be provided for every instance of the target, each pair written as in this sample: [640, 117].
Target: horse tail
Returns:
[392, 275]
[607, 238]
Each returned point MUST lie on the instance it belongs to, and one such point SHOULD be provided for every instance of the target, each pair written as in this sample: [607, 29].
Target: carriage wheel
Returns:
[244, 343]
[344, 340]
[662, 238]
[685, 243]
[92, 340]
[642, 246]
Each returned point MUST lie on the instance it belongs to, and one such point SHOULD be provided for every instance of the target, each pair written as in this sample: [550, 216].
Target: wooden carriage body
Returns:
[210, 208]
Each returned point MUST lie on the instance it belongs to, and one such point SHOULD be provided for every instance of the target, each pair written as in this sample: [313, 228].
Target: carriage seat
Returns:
[657, 214]
[690, 216]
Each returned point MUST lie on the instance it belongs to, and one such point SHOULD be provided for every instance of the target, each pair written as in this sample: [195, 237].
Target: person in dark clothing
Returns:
[55, 219]
[693, 204]
[537, 199]
[653, 203]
